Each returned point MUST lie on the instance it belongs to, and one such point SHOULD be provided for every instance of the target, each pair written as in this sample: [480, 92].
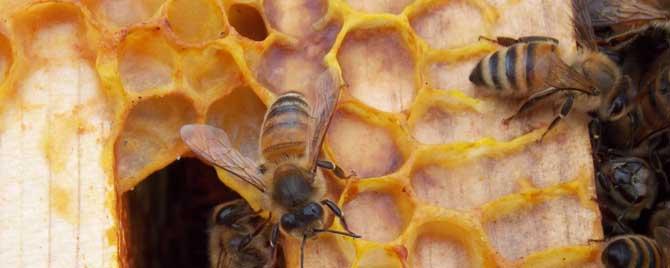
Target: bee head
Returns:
[303, 219]
[230, 213]
[632, 178]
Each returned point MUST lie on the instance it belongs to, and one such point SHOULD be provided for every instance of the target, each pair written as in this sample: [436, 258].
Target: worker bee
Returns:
[290, 141]
[238, 237]
[626, 186]
[534, 68]
[638, 250]
[628, 19]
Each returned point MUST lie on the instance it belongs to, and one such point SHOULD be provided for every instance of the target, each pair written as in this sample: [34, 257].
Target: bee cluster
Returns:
[631, 152]
[620, 76]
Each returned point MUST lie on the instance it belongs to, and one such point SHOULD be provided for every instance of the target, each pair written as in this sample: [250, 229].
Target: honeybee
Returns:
[628, 19]
[290, 141]
[638, 250]
[534, 68]
[238, 237]
[625, 186]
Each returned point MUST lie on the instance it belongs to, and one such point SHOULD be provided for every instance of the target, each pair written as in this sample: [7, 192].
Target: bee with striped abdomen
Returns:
[535, 68]
[290, 142]
[638, 250]
[238, 238]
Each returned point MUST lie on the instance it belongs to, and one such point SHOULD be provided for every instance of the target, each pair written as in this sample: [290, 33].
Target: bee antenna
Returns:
[337, 232]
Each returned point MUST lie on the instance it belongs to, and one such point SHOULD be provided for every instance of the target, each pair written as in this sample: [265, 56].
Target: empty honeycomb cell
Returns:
[6, 58]
[281, 15]
[247, 21]
[150, 138]
[452, 75]
[240, 114]
[368, 150]
[435, 247]
[53, 31]
[211, 72]
[387, 79]
[380, 258]
[380, 5]
[508, 21]
[453, 24]
[196, 21]
[121, 13]
[295, 68]
[146, 61]
[536, 231]
[389, 205]
[324, 250]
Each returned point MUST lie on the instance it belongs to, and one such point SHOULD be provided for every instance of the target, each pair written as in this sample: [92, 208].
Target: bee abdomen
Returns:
[514, 71]
[633, 251]
[285, 127]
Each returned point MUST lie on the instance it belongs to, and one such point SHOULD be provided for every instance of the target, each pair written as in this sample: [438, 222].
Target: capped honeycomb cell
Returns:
[211, 72]
[380, 5]
[390, 208]
[196, 21]
[121, 13]
[247, 21]
[150, 137]
[368, 150]
[240, 114]
[281, 15]
[387, 79]
[450, 25]
[537, 233]
[146, 61]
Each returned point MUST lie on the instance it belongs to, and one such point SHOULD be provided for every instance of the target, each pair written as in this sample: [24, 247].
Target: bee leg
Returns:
[620, 41]
[249, 237]
[508, 41]
[334, 168]
[274, 236]
[302, 251]
[530, 102]
[565, 109]
[338, 213]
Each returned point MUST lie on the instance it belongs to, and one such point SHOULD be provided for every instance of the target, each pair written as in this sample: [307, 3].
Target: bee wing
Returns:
[325, 93]
[212, 145]
[612, 12]
[563, 76]
[582, 24]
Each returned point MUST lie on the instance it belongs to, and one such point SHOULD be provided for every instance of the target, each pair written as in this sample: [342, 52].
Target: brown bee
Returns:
[238, 237]
[626, 186]
[638, 250]
[290, 141]
[628, 19]
[534, 68]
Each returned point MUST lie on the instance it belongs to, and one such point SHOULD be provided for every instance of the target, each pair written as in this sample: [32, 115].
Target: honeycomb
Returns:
[93, 93]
